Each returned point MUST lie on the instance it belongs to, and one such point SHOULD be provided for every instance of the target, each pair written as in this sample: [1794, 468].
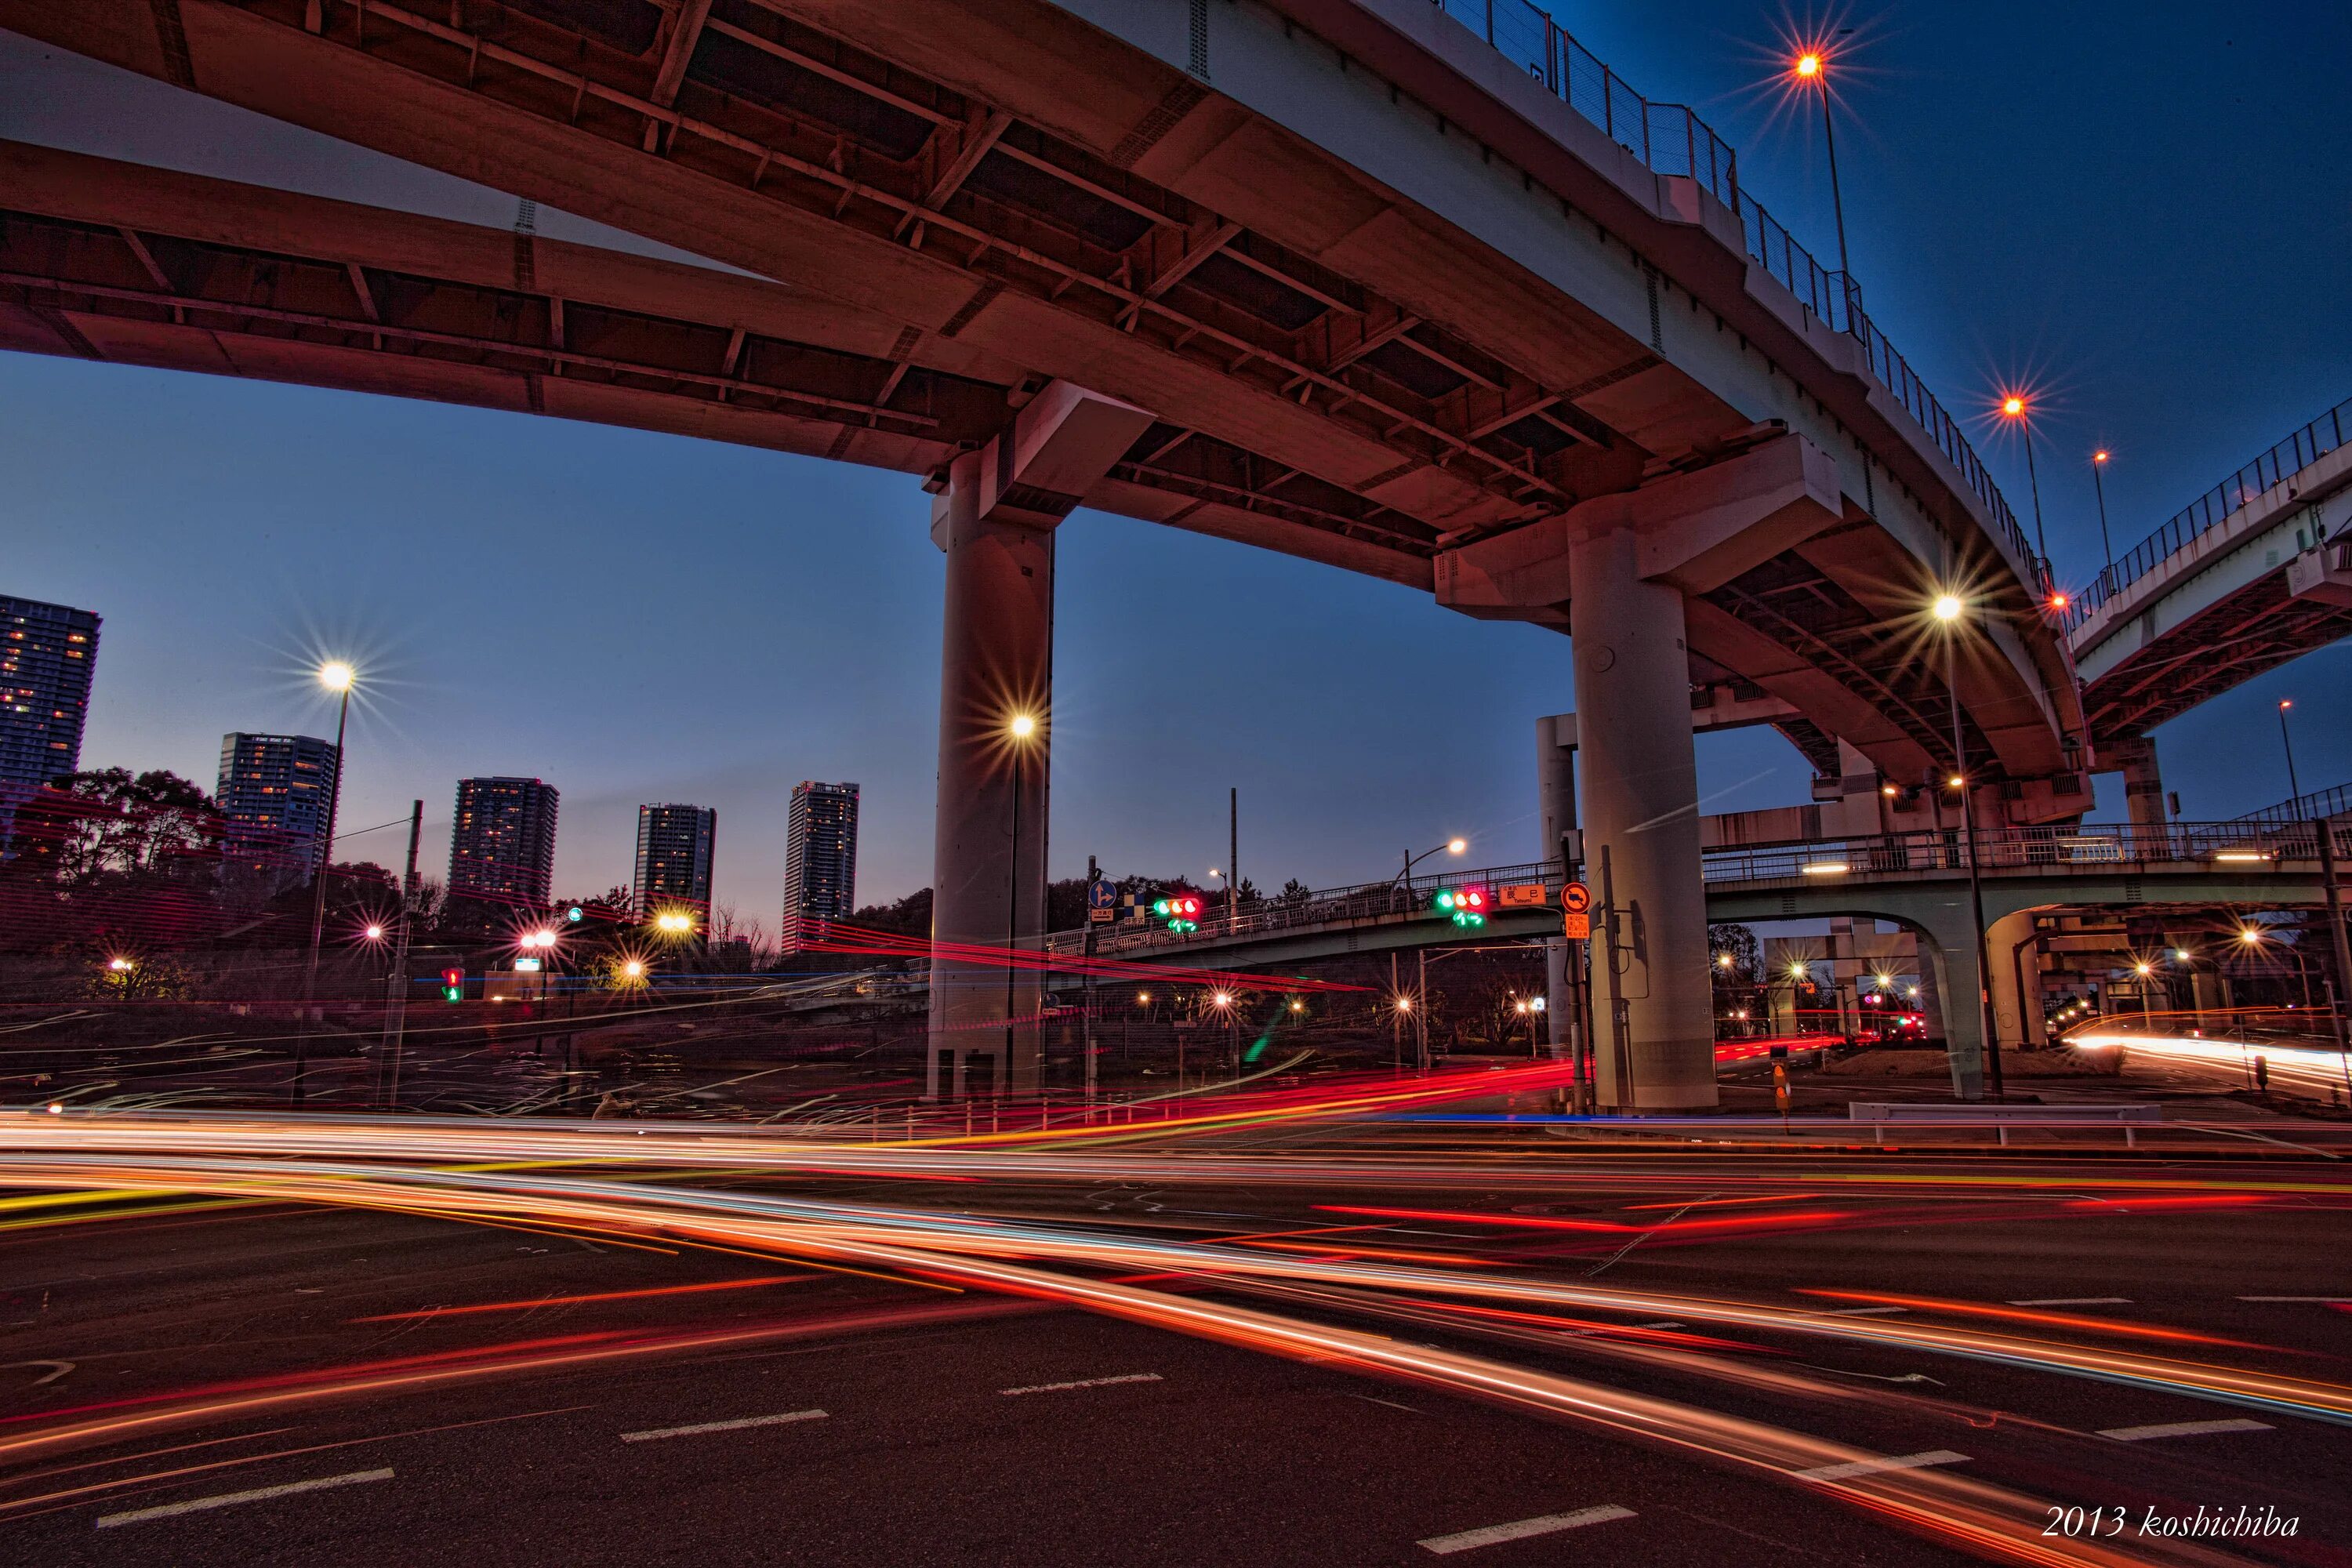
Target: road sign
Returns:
[1521, 895]
[1102, 901]
[1576, 912]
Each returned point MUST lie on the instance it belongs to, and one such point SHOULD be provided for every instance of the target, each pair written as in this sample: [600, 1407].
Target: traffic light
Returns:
[1466, 905]
[453, 985]
[575, 914]
[1181, 910]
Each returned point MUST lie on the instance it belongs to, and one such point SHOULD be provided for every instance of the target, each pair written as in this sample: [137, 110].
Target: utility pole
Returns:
[1605, 956]
[1086, 1028]
[1232, 858]
[1579, 1022]
[395, 1001]
[1421, 1013]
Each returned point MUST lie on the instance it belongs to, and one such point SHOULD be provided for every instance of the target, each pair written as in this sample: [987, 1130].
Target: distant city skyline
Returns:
[2003, 229]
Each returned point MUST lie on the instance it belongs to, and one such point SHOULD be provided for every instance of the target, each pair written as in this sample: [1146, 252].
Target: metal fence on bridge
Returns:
[2296, 450]
[2241, 845]
[1670, 138]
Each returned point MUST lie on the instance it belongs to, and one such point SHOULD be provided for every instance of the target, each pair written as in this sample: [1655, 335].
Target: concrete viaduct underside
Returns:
[1018, 248]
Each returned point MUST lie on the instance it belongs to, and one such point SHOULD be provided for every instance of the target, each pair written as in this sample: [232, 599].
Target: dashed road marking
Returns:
[701, 1427]
[1865, 1311]
[1872, 1467]
[1493, 1534]
[1084, 1383]
[2295, 1297]
[1664, 1323]
[2071, 1301]
[2182, 1429]
[230, 1499]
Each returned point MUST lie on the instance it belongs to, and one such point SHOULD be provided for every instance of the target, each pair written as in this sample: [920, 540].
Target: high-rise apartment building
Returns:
[502, 841]
[675, 846]
[820, 859]
[273, 797]
[46, 653]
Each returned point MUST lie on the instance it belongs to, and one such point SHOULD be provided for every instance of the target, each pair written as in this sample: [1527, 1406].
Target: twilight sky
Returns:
[2138, 208]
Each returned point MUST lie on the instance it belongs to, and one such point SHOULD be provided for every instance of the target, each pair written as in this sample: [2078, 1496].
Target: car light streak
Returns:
[946, 1247]
[1983, 1516]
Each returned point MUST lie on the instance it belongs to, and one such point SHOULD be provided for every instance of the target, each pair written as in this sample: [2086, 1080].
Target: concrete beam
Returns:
[1695, 532]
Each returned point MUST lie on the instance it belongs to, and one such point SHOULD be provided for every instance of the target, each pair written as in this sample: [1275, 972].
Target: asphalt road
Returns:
[491, 1395]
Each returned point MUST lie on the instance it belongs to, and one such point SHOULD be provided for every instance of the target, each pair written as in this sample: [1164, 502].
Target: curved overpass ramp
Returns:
[1334, 278]
[2252, 574]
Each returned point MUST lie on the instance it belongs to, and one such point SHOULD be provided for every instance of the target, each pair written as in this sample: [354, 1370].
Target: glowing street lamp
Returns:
[373, 932]
[674, 922]
[1811, 68]
[1451, 847]
[1020, 729]
[120, 965]
[2099, 487]
[2294, 789]
[338, 677]
[2015, 406]
[1947, 610]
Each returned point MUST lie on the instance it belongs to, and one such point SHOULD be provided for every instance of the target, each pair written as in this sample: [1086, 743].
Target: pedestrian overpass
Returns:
[1918, 880]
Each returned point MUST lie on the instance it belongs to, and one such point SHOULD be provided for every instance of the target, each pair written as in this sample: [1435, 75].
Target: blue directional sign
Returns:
[1102, 902]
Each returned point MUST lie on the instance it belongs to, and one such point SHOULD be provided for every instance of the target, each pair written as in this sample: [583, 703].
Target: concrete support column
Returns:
[2015, 967]
[1556, 815]
[996, 664]
[1943, 948]
[995, 520]
[1640, 790]
[2143, 782]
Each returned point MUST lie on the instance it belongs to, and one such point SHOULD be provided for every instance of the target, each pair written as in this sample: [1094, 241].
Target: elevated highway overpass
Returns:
[1343, 279]
[1918, 880]
[2255, 572]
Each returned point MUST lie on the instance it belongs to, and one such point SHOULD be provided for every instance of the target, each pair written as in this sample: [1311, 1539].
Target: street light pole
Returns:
[1012, 927]
[2099, 487]
[1985, 1020]
[336, 677]
[2294, 789]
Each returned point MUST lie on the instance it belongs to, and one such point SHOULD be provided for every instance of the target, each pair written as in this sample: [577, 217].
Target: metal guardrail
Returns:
[2029, 851]
[1670, 138]
[2293, 452]
[2310, 807]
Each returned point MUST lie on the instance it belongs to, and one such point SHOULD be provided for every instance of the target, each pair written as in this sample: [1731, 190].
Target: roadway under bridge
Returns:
[1333, 278]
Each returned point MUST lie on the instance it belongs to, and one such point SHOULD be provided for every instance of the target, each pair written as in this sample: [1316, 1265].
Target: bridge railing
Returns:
[1672, 140]
[2009, 851]
[2297, 450]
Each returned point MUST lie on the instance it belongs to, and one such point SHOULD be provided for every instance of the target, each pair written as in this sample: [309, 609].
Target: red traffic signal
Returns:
[1181, 910]
[1466, 905]
[453, 985]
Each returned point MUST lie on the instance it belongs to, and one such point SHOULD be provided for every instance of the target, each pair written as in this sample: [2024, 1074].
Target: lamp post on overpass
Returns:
[2015, 405]
[1948, 610]
[2098, 488]
[1452, 846]
[1812, 70]
[2293, 789]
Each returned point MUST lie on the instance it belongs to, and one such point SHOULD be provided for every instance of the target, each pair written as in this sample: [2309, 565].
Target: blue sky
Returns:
[2139, 208]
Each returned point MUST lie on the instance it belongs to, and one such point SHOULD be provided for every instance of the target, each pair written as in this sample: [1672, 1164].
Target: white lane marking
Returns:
[1389, 1403]
[1495, 1533]
[1665, 1324]
[1865, 1311]
[2182, 1429]
[1872, 1467]
[2295, 1297]
[701, 1427]
[1084, 1383]
[230, 1499]
[2072, 1301]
